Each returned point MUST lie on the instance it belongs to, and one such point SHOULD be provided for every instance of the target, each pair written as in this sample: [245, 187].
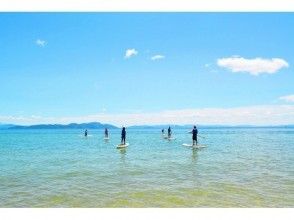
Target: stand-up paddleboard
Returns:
[106, 139]
[194, 146]
[121, 146]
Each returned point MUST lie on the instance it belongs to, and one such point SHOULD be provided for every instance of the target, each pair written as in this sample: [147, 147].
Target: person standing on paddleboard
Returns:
[169, 132]
[123, 135]
[194, 135]
[106, 133]
[86, 133]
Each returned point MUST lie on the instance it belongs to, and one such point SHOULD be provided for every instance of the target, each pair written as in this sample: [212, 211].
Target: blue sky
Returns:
[73, 66]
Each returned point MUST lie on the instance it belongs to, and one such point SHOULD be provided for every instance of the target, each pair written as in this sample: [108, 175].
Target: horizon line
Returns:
[151, 125]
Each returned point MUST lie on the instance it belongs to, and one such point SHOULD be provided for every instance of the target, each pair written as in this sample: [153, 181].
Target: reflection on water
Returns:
[194, 154]
[123, 155]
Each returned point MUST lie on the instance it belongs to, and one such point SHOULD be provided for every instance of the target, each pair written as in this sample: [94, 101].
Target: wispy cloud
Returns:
[254, 115]
[130, 53]
[157, 57]
[41, 43]
[254, 66]
[287, 98]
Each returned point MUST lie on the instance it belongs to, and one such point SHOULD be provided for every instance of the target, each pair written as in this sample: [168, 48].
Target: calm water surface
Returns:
[60, 168]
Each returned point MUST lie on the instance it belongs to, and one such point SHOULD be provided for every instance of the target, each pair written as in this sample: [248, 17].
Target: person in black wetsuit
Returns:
[106, 133]
[194, 135]
[169, 132]
[86, 133]
[123, 135]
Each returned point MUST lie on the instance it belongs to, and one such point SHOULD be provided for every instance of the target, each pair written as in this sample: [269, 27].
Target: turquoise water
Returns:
[59, 168]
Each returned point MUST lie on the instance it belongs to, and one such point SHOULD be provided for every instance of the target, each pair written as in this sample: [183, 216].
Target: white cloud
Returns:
[254, 66]
[157, 57]
[287, 98]
[130, 52]
[41, 43]
[254, 115]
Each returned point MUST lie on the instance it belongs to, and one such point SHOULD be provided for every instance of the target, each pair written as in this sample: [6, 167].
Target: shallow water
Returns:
[60, 168]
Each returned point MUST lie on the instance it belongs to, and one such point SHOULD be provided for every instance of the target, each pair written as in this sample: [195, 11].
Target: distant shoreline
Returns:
[98, 125]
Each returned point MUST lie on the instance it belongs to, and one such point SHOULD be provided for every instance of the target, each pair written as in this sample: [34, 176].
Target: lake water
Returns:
[60, 168]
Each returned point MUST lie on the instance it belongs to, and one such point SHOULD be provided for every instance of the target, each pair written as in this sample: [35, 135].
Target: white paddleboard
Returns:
[106, 139]
[119, 146]
[194, 146]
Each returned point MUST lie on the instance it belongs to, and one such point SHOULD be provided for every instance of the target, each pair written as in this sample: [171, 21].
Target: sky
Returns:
[147, 68]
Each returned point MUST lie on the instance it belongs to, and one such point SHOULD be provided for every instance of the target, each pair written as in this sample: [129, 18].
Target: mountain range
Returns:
[91, 125]
[98, 125]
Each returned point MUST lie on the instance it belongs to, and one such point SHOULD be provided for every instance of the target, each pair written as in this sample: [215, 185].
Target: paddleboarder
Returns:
[123, 135]
[106, 133]
[169, 132]
[194, 135]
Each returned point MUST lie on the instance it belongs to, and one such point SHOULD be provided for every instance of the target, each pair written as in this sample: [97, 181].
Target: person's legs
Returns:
[194, 138]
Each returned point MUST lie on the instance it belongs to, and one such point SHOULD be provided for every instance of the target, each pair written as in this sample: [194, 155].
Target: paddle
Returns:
[189, 132]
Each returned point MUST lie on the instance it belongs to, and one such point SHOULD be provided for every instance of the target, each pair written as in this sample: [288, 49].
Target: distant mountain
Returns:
[206, 126]
[176, 126]
[5, 126]
[289, 126]
[159, 126]
[97, 125]
[91, 125]
[182, 126]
